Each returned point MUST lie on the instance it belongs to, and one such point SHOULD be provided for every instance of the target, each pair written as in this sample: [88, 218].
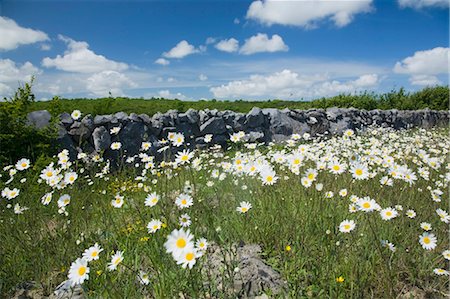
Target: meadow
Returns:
[363, 215]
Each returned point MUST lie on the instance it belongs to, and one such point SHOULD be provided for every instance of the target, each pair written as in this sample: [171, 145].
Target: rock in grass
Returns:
[240, 271]
[66, 291]
[39, 119]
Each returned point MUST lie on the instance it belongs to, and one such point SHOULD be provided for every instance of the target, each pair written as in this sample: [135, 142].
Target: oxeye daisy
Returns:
[244, 207]
[347, 226]
[70, 177]
[428, 241]
[178, 241]
[152, 199]
[268, 177]
[425, 226]
[201, 244]
[187, 258]
[343, 192]
[143, 278]
[208, 138]
[446, 254]
[367, 205]
[154, 225]
[116, 259]
[47, 198]
[22, 164]
[411, 214]
[64, 200]
[78, 272]
[92, 253]
[185, 220]
[118, 201]
[76, 114]
[439, 271]
[178, 139]
[359, 171]
[116, 145]
[443, 215]
[183, 157]
[388, 214]
[184, 201]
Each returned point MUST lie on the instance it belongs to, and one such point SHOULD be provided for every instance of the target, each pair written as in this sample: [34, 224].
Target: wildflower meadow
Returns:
[361, 215]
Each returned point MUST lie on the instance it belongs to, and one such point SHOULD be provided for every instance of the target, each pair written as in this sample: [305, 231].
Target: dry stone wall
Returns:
[92, 134]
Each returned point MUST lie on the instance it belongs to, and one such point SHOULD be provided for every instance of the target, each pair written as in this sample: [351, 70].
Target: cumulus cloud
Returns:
[100, 84]
[202, 77]
[162, 61]
[228, 45]
[13, 35]
[428, 62]
[79, 58]
[166, 94]
[286, 84]
[424, 80]
[181, 50]
[12, 73]
[418, 4]
[306, 13]
[262, 43]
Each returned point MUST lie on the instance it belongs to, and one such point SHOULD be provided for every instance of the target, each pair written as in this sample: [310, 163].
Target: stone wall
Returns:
[91, 134]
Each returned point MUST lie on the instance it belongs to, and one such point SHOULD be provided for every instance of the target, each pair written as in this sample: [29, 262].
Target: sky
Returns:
[226, 50]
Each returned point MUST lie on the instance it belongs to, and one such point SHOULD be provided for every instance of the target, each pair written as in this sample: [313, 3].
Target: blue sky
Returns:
[223, 49]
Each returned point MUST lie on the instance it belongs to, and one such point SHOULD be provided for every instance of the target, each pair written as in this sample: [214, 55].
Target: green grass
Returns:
[435, 98]
[40, 244]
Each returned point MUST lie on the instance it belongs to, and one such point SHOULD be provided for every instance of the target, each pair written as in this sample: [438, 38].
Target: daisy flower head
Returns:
[47, 198]
[184, 201]
[446, 254]
[178, 242]
[154, 225]
[22, 164]
[443, 215]
[359, 171]
[143, 278]
[349, 132]
[425, 226]
[152, 199]
[116, 259]
[428, 241]
[388, 214]
[92, 253]
[78, 272]
[76, 114]
[64, 200]
[347, 226]
[11, 193]
[70, 177]
[244, 207]
[178, 139]
[184, 157]
[411, 214]
[367, 204]
[116, 145]
[118, 201]
[343, 192]
[235, 137]
[268, 177]
[201, 244]
[440, 271]
[208, 138]
[187, 258]
[185, 220]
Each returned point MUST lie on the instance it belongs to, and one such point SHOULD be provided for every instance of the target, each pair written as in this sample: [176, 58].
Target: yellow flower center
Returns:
[346, 226]
[426, 240]
[24, 164]
[336, 167]
[269, 178]
[189, 256]
[81, 270]
[366, 205]
[183, 201]
[94, 253]
[184, 158]
[359, 172]
[244, 209]
[155, 227]
[388, 213]
[296, 161]
[49, 173]
[181, 243]
[311, 176]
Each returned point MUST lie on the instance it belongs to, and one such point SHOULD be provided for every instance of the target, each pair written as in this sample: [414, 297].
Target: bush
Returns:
[17, 139]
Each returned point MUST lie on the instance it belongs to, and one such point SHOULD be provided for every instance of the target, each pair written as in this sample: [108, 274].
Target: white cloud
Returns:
[418, 4]
[287, 84]
[306, 13]
[236, 21]
[166, 94]
[162, 61]
[11, 74]
[45, 47]
[424, 80]
[79, 58]
[12, 35]
[228, 45]
[210, 40]
[171, 79]
[202, 77]
[262, 43]
[100, 84]
[428, 62]
[181, 50]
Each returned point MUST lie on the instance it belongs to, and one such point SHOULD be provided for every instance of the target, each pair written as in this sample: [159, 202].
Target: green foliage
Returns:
[436, 98]
[17, 139]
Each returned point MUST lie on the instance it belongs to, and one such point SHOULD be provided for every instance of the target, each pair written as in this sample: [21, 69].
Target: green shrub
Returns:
[17, 139]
